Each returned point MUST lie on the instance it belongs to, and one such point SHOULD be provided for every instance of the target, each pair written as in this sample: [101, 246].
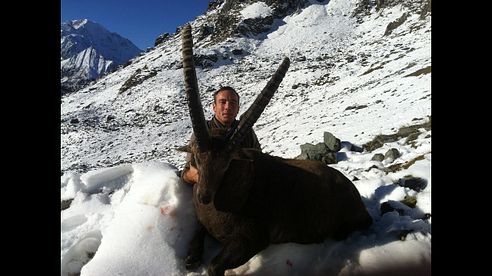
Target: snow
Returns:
[79, 23]
[256, 10]
[139, 217]
[130, 213]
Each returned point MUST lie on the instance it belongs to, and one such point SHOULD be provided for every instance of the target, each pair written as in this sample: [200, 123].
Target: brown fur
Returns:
[257, 199]
[248, 199]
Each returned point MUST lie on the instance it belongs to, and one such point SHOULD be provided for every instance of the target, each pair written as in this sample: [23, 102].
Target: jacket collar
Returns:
[217, 124]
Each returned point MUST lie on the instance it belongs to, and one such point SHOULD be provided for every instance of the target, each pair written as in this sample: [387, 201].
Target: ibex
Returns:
[247, 199]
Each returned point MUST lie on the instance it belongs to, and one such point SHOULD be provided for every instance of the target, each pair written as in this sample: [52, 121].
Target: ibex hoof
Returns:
[211, 271]
[192, 262]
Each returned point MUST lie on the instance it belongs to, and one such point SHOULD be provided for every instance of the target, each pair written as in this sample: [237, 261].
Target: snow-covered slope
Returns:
[357, 70]
[88, 50]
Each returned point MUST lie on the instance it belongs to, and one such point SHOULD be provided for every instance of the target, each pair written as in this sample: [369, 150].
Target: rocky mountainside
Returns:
[351, 60]
[88, 51]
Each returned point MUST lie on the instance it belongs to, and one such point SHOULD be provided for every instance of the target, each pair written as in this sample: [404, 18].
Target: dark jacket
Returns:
[214, 127]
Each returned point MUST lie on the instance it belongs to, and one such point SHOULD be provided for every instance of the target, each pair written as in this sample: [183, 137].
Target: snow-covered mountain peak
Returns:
[358, 69]
[79, 23]
[89, 50]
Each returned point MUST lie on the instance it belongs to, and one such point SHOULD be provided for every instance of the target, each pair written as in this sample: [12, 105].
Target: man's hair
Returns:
[223, 88]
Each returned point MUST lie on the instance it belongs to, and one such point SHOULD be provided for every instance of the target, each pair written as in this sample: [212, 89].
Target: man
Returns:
[225, 107]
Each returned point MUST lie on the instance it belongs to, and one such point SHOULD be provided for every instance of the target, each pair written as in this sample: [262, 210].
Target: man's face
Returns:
[226, 107]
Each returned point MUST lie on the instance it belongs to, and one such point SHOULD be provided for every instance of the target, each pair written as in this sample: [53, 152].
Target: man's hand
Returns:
[191, 175]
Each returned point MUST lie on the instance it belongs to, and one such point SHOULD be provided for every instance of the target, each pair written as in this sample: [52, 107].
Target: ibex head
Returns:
[214, 156]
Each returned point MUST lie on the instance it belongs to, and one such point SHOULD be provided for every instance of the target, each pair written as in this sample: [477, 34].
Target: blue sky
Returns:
[139, 21]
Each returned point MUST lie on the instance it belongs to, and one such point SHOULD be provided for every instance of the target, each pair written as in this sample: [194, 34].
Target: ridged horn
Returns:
[191, 88]
[251, 115]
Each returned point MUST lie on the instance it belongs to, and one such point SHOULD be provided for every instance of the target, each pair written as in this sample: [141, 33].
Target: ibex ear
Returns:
[234, 189]
[186, 148]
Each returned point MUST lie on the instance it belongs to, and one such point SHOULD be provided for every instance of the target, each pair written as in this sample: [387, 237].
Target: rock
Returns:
[332, 142]
[378, 157]
[392, 154]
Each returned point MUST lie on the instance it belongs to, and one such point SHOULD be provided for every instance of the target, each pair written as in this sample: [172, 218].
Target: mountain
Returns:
[88, 51]
[359, 69]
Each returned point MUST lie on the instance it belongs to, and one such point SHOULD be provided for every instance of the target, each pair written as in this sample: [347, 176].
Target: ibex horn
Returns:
[251, 115]
[191, 89]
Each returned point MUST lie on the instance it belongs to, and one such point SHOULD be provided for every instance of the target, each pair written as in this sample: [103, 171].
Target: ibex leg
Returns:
[195, 251]
[235, 253]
